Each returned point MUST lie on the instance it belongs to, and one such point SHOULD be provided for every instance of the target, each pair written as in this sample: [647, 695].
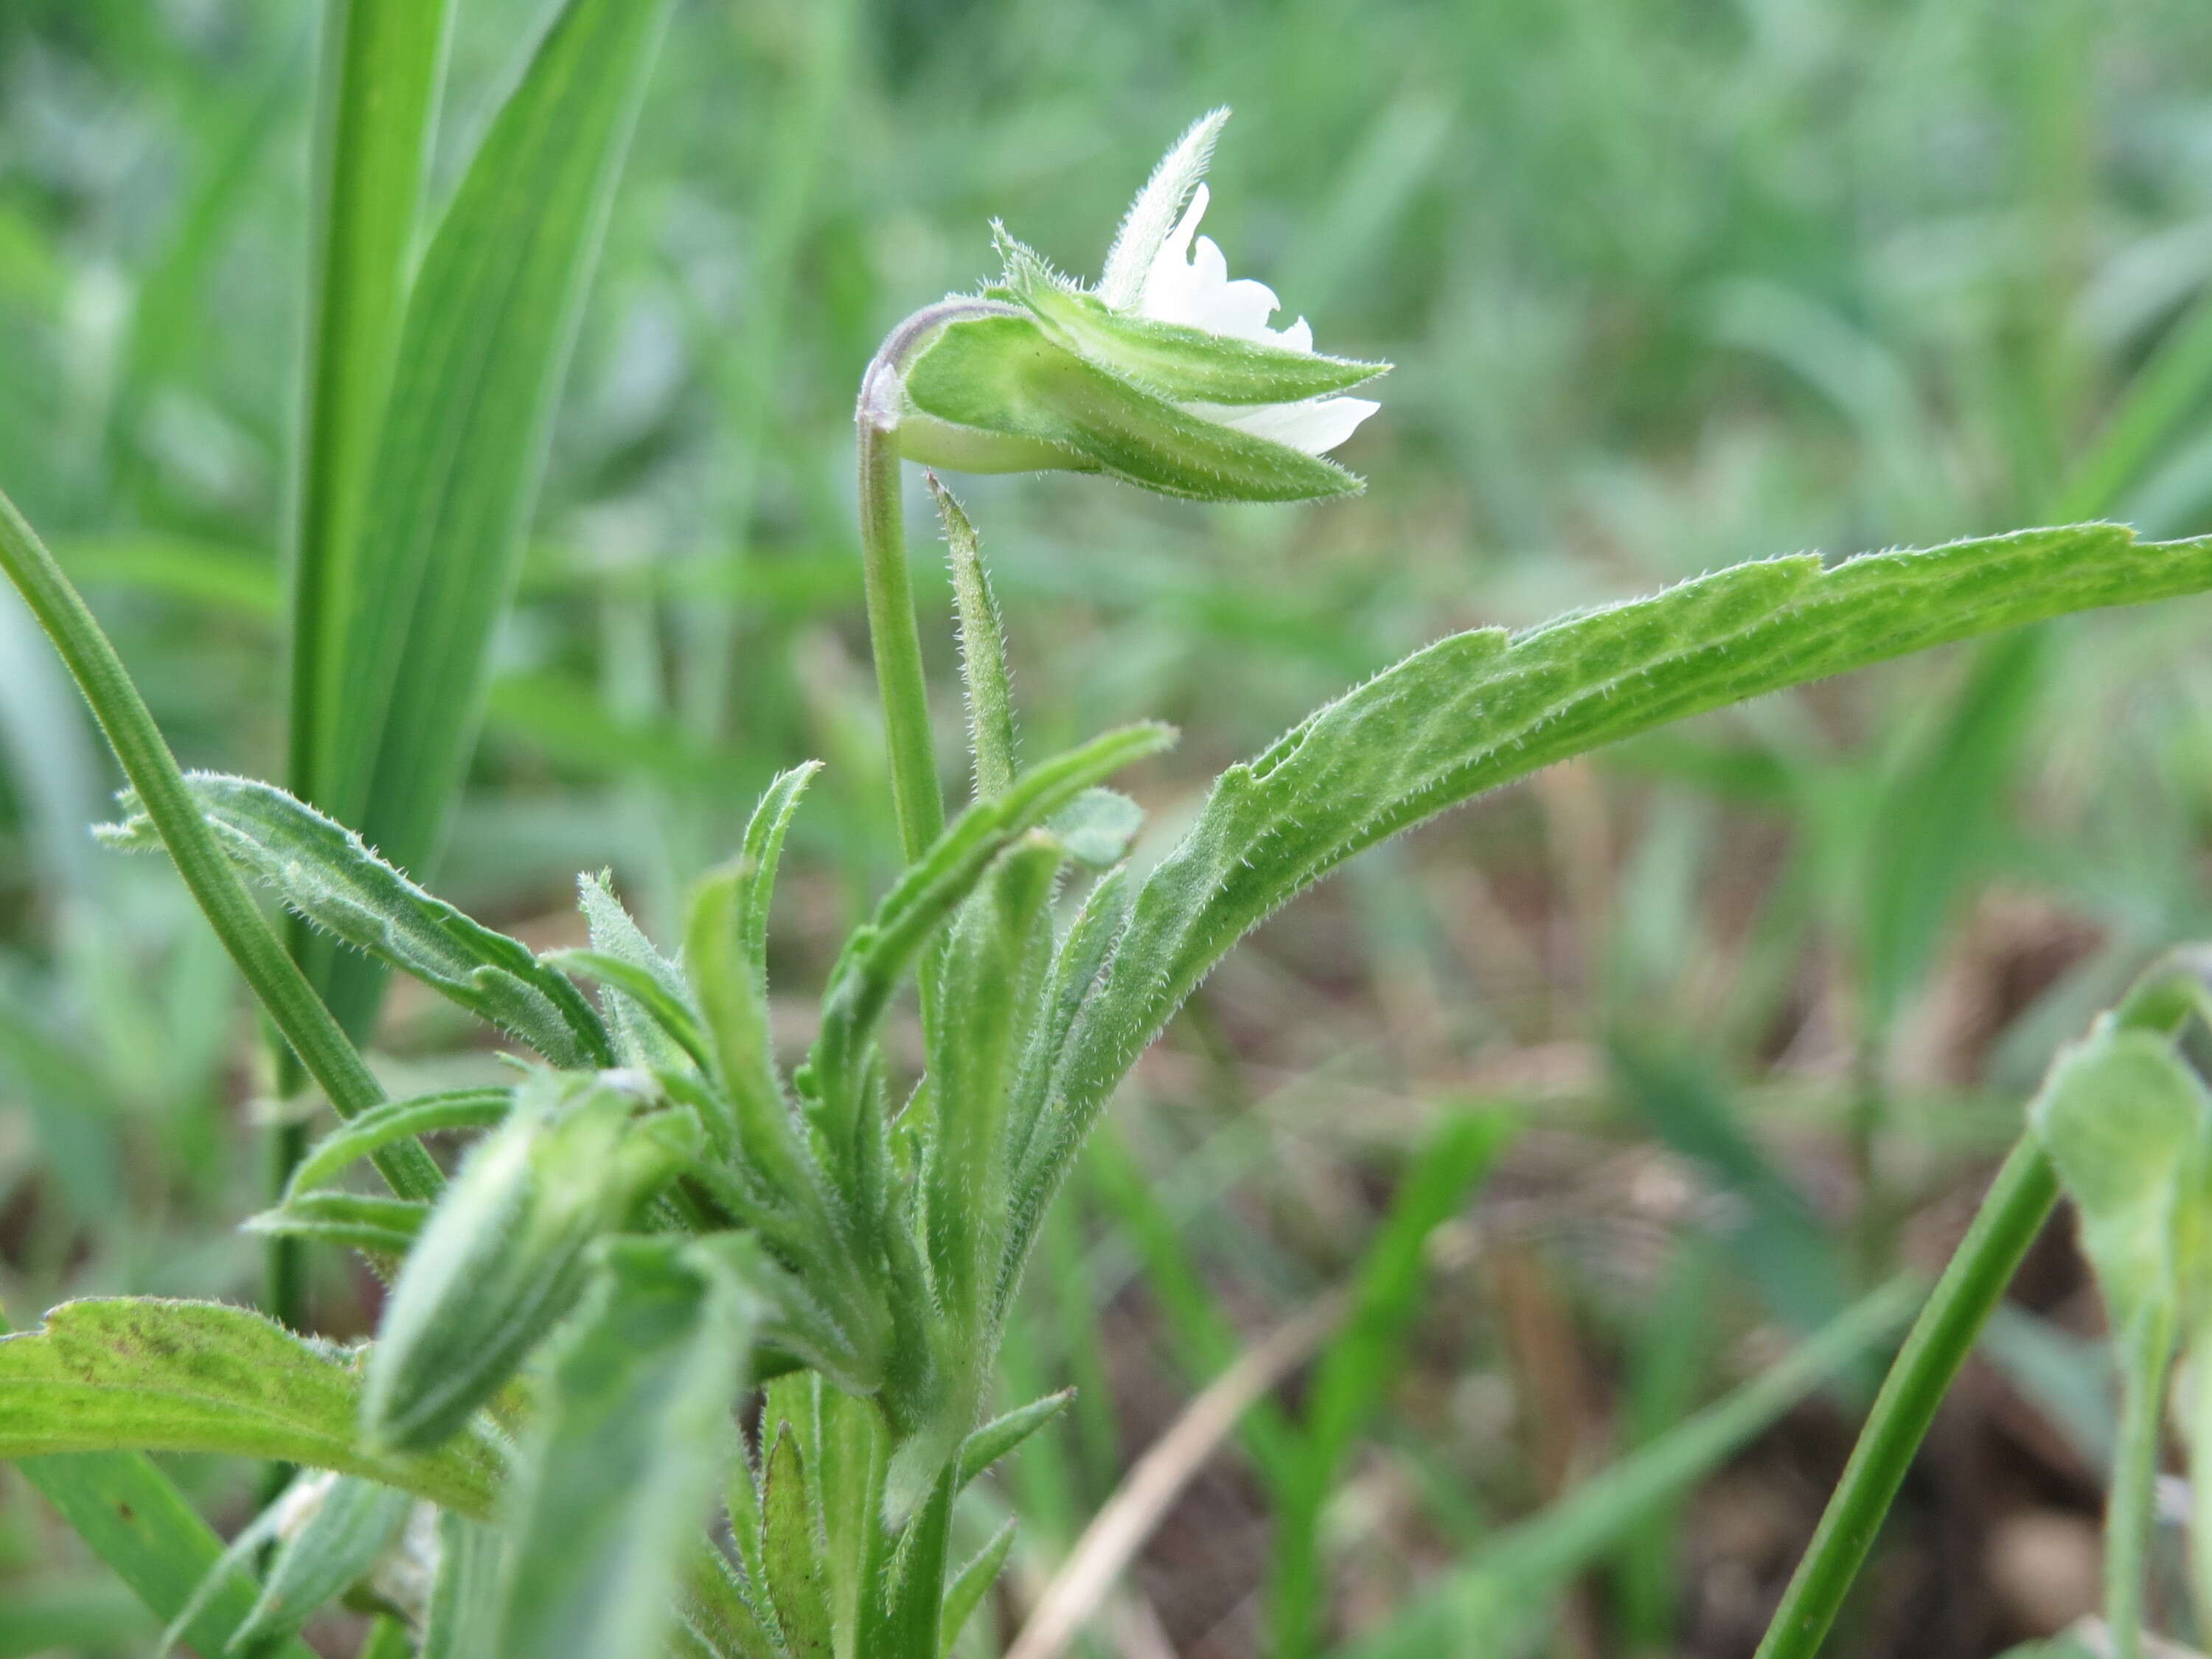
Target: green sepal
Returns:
[1171, 360]
[1004, 380]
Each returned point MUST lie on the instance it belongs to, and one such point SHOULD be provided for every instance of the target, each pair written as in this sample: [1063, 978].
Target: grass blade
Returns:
[483, 351]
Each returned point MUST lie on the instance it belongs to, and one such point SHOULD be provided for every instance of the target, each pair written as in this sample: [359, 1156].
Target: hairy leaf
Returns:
[1483, 709]
[326, 873]
[157, 1375]
[609, 1498]
[398, 1120]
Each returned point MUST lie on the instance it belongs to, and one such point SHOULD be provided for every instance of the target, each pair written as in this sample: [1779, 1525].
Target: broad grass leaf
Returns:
[489, 327]
[637, 1425]
[377, 109]
[145, 1374]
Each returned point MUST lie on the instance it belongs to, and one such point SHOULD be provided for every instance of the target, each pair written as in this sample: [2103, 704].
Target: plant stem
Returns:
[2018, 1202]
[299, 1013]
[892, 633]
[2130, 1511]
[896, 641]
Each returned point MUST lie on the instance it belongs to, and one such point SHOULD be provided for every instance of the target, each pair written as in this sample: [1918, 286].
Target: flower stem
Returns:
[2013, 1213]
[329, 1056]
[892, 633]
[896, 641]
[2130, 1511]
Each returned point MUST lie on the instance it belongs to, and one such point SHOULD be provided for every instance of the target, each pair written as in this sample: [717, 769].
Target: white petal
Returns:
[1192, 286]
[1150, 216]
[1316, 426]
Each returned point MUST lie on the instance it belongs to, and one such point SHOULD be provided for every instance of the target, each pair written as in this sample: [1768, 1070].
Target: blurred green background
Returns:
[1669, 283]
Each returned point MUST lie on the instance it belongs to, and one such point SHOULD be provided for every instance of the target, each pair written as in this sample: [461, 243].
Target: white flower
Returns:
[1160, 268]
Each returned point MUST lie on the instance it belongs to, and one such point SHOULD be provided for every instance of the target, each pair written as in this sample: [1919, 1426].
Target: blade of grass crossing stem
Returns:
[376, 106]
[1508, 1580]
[1360, 1364]
[484, 349]
[2012, 1213]
[215, 884]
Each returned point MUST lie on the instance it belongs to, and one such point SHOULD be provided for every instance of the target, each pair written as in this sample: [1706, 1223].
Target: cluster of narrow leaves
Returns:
[656, 1213]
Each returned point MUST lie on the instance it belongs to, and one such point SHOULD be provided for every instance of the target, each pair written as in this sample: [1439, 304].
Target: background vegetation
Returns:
[1670, 284]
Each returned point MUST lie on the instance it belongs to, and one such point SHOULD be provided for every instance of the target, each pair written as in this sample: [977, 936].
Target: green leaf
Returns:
[1001, 377]
[353, 1523]
[376, 110]
[991, 971]
[991, 741]
[463, 1611]
[868, 969]
[154, 1376]
[792, 1549]
[502, 1258]
[489, 328]
[971, 1584]
[1098, 827]
[669, 1010]
[357, 1221]
[1482, 708]
[1182, 365]
[394, 1121]
[94, 1616]
[652, 998]
[762, 851]
[609, 1501]
[324, 873]
[2129, 1126]
[999, 1437]
[131, 1515]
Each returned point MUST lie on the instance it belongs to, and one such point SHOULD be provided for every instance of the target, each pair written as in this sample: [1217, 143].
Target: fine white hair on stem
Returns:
[1153, 214]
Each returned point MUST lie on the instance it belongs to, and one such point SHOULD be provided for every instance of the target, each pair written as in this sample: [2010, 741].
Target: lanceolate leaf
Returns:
[324, 873]
[155, 1375]
[637, 1427]
[1483, 709]
[481, 356]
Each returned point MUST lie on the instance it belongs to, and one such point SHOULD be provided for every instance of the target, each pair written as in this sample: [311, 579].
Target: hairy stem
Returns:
[2013, 1213]
[329, 1058]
